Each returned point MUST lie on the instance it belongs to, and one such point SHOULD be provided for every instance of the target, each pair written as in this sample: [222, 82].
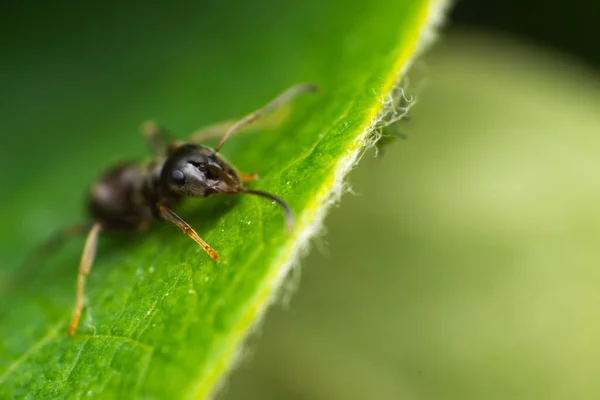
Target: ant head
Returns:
[198, 171]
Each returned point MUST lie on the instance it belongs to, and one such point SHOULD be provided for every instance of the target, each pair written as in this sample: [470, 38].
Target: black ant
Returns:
[129, 196]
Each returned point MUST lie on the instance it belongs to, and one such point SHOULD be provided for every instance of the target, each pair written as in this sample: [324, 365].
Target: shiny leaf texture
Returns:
[162, 320]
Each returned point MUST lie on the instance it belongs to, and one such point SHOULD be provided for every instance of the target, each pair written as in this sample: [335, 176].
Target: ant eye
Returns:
[178, 176]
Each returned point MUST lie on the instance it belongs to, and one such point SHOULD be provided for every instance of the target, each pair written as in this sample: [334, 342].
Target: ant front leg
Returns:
[173, 218]
[85, 265]
[157, 138]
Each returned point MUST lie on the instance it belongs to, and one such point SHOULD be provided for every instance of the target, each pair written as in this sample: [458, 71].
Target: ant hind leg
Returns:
[85, 265]
[30, 268]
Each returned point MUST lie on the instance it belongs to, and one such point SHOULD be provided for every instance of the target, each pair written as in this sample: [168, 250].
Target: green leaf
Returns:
[480, 279]
[162, 320]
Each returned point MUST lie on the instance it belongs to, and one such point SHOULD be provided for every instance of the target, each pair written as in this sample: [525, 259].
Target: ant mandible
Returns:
[129, 196]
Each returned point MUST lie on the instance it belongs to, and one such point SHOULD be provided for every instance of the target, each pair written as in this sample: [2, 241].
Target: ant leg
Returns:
[219, 129]
[30, 267]
[156, 136]
[273, 104]
[173, 218]
[249, 178]
[85, 265]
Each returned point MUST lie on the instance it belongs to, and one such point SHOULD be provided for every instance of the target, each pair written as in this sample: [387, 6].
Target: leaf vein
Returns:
[38, 345]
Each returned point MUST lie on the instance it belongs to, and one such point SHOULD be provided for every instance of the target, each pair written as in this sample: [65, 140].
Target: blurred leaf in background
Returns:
[162, 320]
[479, 266]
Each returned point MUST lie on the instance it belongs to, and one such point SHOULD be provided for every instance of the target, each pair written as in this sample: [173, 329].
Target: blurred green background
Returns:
[478, 270]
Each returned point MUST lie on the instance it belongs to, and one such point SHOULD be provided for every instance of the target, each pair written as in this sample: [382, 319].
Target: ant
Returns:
[130, 195]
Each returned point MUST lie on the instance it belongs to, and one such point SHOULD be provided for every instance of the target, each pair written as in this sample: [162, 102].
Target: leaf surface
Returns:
[162, 320]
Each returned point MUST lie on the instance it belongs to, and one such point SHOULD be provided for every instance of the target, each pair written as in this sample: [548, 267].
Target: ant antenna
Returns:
[289, 215]
[282, 98]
